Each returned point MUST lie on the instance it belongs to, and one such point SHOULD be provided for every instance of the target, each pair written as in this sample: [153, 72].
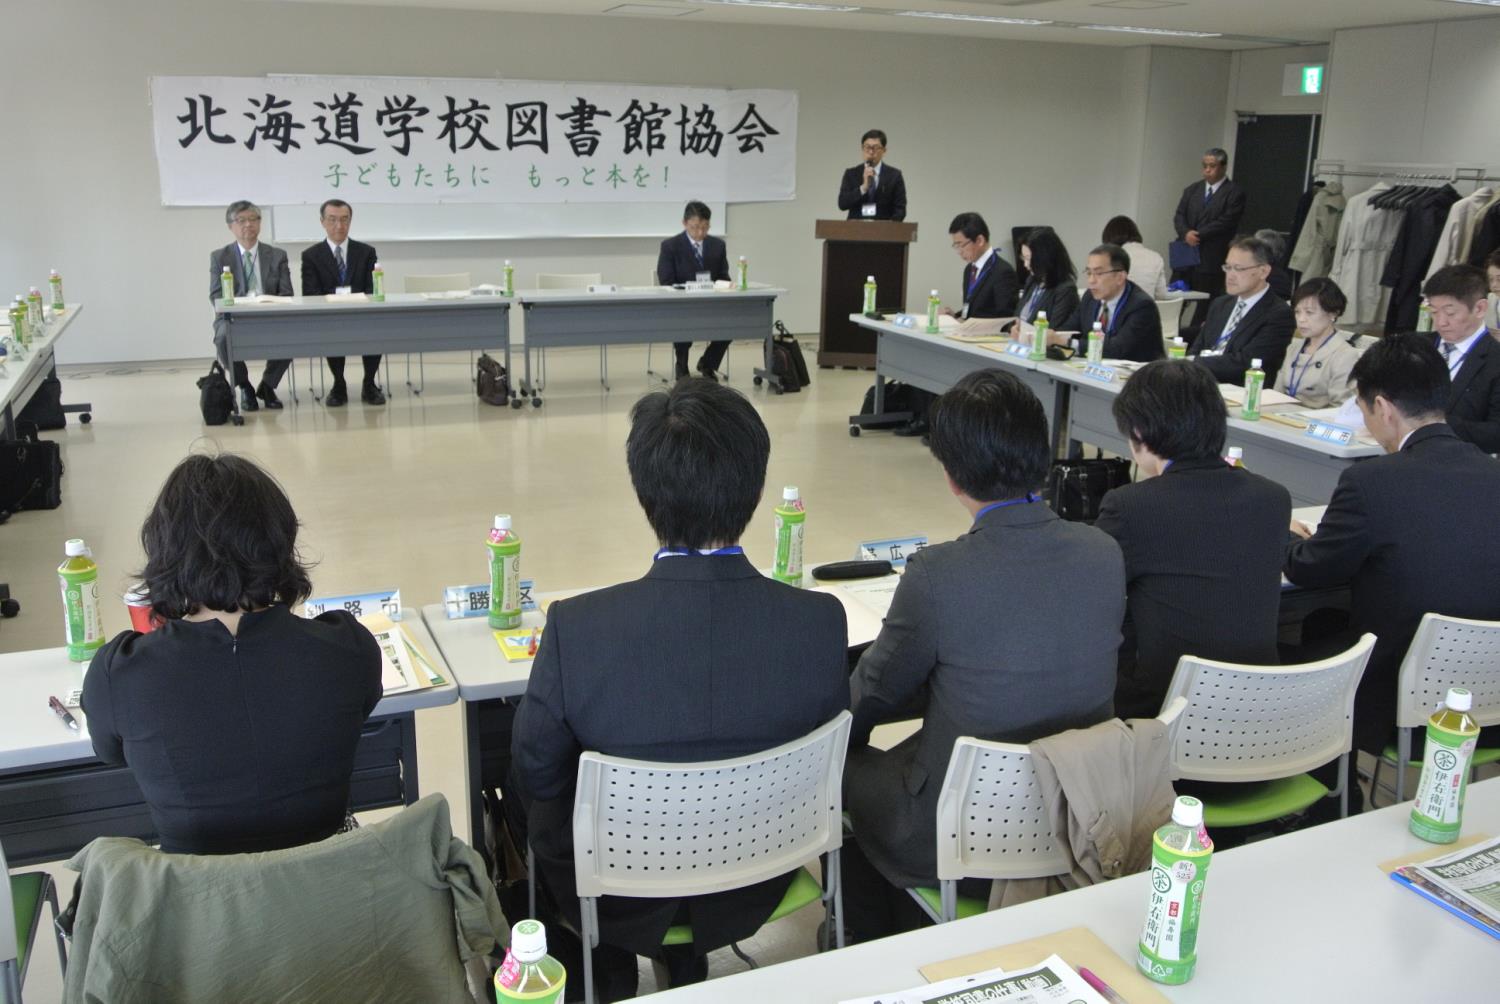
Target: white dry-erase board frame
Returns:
[470, 221]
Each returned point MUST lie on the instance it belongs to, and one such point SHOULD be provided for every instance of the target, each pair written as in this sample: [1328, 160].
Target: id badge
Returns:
[343, 290]
[867, 210]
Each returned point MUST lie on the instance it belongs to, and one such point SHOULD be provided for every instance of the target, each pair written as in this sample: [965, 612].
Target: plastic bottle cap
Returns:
[75, 548]
[934, 292]
[379, 266]
[1179, 340]
[502, 522]
[868, 278]
[53, 272]
[507, 263]
[1041, 315]
[528, 941]
[1459, 699]
[1255, 364]
[1187, 811]
[1098, 326]
[789, 493]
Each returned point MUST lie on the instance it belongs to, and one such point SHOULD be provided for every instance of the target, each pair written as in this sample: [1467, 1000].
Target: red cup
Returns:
[141, 617]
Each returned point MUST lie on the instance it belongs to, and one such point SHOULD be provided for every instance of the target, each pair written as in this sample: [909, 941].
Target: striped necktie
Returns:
[252, 284]
[338, 256]
[1234, 319]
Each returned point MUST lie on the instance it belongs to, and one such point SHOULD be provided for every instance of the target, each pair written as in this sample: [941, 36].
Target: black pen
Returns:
[63, 713]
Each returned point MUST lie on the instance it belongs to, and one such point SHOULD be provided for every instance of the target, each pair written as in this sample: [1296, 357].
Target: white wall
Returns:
[1008, 129]
[1417, 94]
[1255, 83]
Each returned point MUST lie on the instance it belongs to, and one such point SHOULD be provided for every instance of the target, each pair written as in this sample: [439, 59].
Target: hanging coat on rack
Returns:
[1364, 242]
[1426, 212]
[1312, 254]
[1458, 232]
[1486, 236]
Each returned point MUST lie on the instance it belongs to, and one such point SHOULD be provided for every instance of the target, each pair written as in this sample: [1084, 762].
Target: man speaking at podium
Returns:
[872, 190]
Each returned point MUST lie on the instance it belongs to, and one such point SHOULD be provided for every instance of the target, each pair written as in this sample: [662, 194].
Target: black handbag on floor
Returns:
[1076, 488]
[215, 397]
[31, 471]
[786, 340]
[491, 382]
[45, 409]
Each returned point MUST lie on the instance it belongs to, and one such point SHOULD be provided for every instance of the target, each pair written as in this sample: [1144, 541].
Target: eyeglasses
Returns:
[1239, 268]
[1096, 273]
[872, 148]
[242, 220]
[960, 245]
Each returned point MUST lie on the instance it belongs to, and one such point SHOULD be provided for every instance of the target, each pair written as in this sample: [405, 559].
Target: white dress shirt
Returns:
[253, 280]
[1460, 352]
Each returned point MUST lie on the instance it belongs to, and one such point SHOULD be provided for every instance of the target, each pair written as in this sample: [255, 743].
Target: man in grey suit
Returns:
[257, 268]
[1009, 633]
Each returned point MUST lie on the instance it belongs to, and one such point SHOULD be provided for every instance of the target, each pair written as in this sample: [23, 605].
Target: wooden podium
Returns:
[854, 250]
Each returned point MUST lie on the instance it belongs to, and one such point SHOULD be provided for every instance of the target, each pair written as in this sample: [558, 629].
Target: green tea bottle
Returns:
[55, 281]
[1437, 814]
[226, 286]
[1039, 337]
[80, 593]
[505, 575]
[528, 972]
[791, 519]
[869, 307]
[1179, 863]
[377, 283]
[1255, 380]
[933, 304]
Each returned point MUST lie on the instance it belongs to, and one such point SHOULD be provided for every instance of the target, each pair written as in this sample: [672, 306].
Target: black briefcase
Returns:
[31, 472]
[1076, 488]
[215, 396]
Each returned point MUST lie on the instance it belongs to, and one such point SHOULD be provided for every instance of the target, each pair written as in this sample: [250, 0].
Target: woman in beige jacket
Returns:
[1318, 365]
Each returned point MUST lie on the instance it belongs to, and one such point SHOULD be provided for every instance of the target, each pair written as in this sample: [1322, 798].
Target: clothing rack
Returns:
[1337, 169]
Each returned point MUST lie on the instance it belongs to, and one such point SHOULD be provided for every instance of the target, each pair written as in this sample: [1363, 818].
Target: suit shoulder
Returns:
[311, 251]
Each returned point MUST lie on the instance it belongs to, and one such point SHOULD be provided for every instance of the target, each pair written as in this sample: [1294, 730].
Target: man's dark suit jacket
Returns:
[997, 292]
[890, 194]
[1217, 222]
[1410, 534]
[320, 273]
[1137, 332]
[1263, 333]
[676, 263]
[1058, 302]
[973, 635]
[1203, 548]
[1474, 397]
[702, 659]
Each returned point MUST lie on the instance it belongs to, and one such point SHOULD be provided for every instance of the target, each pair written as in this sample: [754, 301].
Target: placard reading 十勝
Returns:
[288, 140]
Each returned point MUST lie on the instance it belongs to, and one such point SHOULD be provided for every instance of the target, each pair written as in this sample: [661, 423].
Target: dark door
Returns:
[1273, 159]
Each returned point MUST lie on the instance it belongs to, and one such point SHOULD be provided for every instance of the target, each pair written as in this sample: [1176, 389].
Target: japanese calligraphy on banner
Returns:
[288, 140]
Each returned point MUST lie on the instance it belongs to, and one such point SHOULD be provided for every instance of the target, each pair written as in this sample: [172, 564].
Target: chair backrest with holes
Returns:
[659, 830]
[1259, 723]
[565, 280]
[991, 820]
[441, 283]
[1450, 652]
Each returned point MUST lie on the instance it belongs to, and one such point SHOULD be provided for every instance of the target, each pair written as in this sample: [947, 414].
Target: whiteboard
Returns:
[491, 221]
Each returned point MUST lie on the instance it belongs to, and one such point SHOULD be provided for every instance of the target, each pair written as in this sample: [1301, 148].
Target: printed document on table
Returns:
[1050, 982]
[1471, 875]
[875, 594]
[1268, 398]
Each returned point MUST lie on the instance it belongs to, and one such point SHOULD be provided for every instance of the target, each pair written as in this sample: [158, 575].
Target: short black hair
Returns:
[336, 204]
[1492, 260]
[1261, 251]
[1121, 230]
[1118, 257]
[1330, 298]
[1173, 408]
[1465, 283]
[697, 455]
[239, 206]
[1049, 258]
[990, 434]
[1217, 154]
[1407, 371]
[873, 134]
[696, 210]
[221, 536]
[971, 225]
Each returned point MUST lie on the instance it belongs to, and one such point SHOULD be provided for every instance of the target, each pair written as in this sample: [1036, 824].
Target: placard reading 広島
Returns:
[287, 140]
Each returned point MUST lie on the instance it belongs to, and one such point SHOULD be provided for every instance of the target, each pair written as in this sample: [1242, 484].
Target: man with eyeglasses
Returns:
[872, 190]
[257, 268]
[340, 264]
[1248, 322]
[1456, 294]
[1207, 218]
[1125, 312]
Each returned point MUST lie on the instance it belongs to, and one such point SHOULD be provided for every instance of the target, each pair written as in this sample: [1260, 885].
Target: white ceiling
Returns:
[1242, 23]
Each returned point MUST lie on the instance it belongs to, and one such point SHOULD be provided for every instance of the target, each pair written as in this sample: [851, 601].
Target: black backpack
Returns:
[786, 363]
[31, 472]
[215, 396]
[491, 382]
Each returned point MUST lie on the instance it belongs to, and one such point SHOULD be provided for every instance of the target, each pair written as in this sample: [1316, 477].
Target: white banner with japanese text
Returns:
[288, 140]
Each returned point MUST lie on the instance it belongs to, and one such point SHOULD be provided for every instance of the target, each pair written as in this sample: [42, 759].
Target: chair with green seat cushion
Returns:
[20, 917]
[1263, 728]
[753, 818]
[1445, 652]
[992, 823]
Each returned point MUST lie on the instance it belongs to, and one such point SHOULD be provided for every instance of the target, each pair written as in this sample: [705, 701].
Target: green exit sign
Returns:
[1312, 79]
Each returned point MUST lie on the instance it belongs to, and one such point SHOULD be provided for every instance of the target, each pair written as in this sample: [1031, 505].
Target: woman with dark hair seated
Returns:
[1319, 369]
[239, 718]
[1147, 268]
[1052, 287]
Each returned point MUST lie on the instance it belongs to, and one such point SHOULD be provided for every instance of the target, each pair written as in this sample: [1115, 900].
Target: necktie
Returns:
[1208, 193]
[338, 256]
[1447, 348]
[1104, 316]
[874, 183]
[698, 253]
[251, 286]
[969, 278]
[1234, 318]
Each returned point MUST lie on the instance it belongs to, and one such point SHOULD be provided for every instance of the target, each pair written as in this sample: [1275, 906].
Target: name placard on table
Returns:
[1327, 432]
[386, 601]
[474, 601]
[893, 549]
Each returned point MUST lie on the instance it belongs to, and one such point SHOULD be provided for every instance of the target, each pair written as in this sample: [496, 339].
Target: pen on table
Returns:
[63, 713]
[1105, 990]
[536, 634]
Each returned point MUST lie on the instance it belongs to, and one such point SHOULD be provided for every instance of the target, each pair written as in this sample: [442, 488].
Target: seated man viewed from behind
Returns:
[1203, 541]
[1009, 633]
[239, 718]
[702, 658]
